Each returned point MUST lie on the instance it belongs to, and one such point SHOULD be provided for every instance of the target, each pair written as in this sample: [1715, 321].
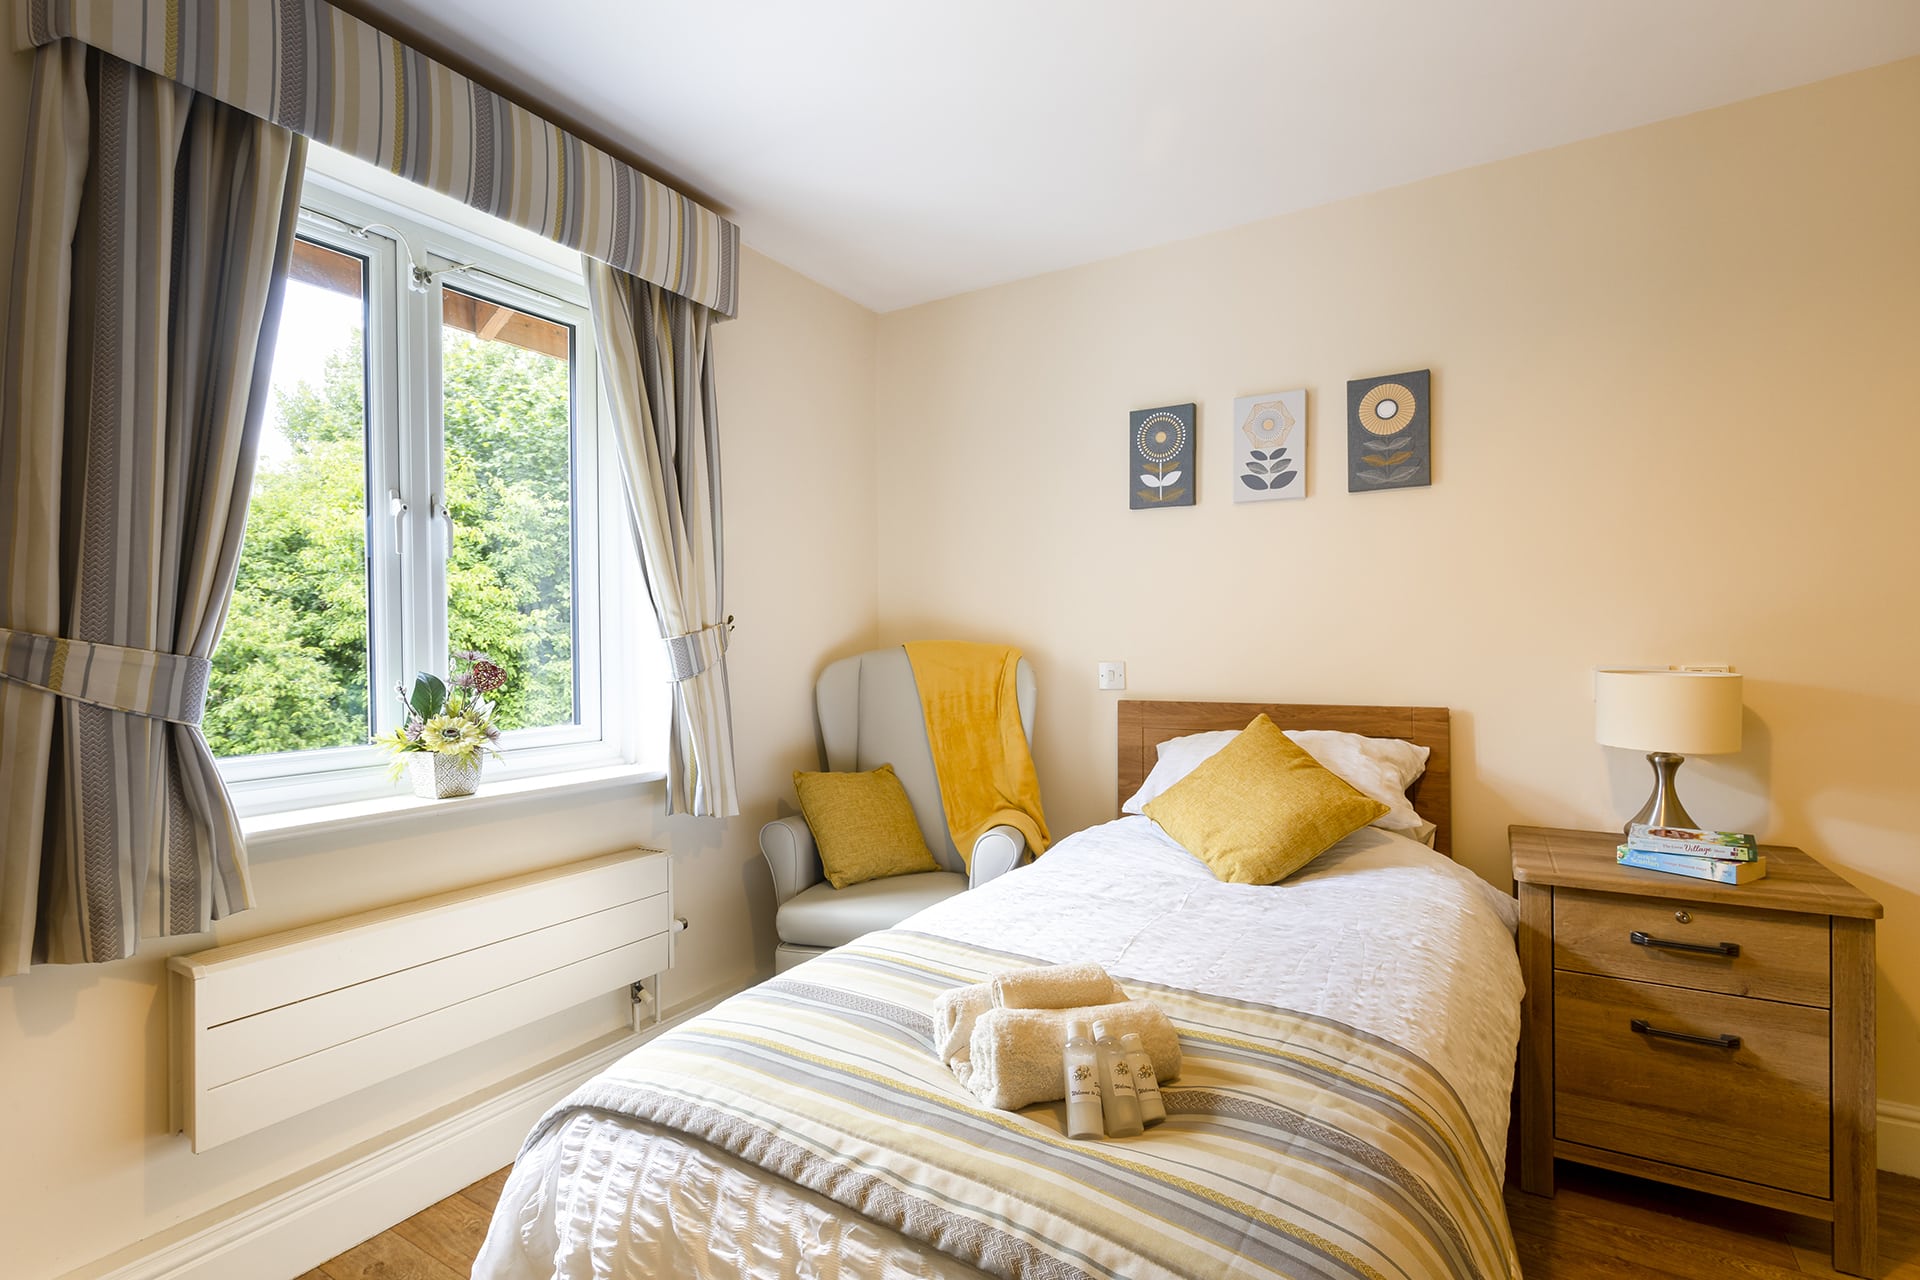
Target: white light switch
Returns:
[1113, 675]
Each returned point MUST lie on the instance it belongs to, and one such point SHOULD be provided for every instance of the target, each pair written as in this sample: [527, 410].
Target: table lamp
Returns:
[1670, 715]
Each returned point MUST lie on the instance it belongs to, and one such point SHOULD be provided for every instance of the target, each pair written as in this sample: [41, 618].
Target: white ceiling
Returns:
[901, 150]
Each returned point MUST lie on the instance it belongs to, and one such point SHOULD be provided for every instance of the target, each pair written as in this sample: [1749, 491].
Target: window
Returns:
[293, 671]
[430, 477]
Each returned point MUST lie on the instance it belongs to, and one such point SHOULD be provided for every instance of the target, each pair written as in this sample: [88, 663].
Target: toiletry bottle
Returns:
[1083, 1085]
[1146, 1086]
[1121, 1106]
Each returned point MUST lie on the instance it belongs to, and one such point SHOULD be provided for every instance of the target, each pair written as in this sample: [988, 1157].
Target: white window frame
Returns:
[411, 256]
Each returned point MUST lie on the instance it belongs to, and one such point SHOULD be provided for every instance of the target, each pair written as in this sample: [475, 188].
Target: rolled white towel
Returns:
[954, 1012]
[1055, 986]
[1017, 1057]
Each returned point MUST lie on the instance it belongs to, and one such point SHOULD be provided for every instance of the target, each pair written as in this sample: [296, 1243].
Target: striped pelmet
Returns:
[154, 231]
[1294, 1145]
[327, 75]
[656, 367]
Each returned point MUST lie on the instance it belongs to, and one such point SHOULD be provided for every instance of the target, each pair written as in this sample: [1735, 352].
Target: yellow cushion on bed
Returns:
[864, 825]
[1261, 808]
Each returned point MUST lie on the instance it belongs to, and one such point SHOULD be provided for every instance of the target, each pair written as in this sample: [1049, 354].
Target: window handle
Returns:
[438, 510]
[397, 508]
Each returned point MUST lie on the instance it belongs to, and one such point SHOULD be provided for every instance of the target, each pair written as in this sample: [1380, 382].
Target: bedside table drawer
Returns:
[1756, 1110]
[1780, 955]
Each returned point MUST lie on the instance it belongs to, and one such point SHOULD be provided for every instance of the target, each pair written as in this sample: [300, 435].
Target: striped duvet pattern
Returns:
[325, 74]
[1294, 1145]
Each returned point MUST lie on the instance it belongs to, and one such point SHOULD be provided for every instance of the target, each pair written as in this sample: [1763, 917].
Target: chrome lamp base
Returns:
[1663, 807]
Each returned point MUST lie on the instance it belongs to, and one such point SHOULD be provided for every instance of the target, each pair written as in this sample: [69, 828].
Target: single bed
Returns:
[1349, 1039]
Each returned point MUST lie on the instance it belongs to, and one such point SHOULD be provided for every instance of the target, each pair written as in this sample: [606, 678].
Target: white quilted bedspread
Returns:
[1379, 933]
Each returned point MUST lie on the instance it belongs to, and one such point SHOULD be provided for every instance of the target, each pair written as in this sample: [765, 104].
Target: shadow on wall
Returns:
[1869, 757]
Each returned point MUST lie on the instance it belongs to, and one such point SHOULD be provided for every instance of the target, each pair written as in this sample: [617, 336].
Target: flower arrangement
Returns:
[449, 718]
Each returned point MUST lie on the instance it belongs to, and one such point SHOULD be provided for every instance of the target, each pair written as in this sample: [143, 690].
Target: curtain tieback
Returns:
[695, 651]
[141, 682]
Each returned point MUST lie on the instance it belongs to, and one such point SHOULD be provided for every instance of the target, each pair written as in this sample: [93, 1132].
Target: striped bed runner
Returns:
[1293, 1146]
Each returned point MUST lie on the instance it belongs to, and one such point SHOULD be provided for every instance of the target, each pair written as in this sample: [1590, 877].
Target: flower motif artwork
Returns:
[1160, 470]
[1389, 441]
[1270, 446]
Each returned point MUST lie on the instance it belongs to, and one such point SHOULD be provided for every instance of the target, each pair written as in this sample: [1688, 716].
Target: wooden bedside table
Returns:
[1709, 1035]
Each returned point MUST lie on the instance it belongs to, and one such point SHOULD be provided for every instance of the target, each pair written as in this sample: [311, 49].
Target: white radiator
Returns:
[275, 1026]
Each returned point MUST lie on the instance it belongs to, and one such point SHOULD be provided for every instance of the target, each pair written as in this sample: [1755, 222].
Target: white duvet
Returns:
[1379, 932]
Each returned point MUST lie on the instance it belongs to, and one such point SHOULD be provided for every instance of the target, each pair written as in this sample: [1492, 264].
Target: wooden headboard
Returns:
[1145, 725]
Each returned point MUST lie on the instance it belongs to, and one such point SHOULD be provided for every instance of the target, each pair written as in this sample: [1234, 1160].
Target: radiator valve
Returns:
[646, 1006]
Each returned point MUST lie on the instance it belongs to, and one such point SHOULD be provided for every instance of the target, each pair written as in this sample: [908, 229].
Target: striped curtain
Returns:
[656, 364]
[155, 229]
[338, 80]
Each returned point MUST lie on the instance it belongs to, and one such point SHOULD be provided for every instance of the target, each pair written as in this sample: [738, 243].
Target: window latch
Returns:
[397, 508]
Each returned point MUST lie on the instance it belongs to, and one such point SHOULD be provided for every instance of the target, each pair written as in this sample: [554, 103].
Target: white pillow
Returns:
[1382, 768]
[1178, 757]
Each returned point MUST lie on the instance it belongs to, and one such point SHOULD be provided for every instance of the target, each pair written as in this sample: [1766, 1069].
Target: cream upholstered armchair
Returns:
[869, 710]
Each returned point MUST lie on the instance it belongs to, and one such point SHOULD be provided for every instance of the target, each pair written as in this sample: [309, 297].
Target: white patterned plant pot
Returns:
[437, 776]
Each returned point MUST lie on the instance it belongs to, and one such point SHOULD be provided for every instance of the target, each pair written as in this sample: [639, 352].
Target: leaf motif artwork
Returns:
[1270, 446]
[1161, 444]
[1389, 439]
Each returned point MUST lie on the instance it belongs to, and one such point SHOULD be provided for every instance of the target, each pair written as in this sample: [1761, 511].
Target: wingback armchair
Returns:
[869, 713]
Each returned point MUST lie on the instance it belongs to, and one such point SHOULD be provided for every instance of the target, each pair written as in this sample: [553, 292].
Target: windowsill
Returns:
[274, 832]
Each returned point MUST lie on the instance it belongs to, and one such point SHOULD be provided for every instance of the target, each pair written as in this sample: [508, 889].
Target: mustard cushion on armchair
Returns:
[863, 824]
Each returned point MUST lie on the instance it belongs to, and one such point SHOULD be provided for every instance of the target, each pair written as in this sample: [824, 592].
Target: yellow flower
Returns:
[453, 736]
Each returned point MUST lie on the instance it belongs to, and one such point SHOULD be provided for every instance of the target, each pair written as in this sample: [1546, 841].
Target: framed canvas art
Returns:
[1389, 444]
[1270, 447]
[1160, 465]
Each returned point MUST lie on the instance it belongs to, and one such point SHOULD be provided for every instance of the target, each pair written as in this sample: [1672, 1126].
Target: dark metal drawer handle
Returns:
[1718, 1042]
[1639, 939]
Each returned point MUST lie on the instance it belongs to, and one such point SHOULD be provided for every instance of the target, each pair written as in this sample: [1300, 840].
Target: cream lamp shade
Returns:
[1688, 713]
[1670, 715]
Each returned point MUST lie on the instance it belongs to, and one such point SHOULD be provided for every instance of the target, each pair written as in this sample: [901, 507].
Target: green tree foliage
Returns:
[507, 412]
[291, 670]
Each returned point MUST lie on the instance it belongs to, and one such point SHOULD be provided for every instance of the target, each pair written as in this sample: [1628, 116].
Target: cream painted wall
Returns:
[1674, 422]
[89, 1166]
[1725, 300]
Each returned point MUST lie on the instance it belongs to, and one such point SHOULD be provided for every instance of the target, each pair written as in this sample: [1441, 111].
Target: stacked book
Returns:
[1730, 857]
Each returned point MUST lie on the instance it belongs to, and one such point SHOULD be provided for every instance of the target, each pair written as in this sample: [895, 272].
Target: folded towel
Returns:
[1049, 986]
[954, 1013]
[1055, 986]
[1018, 1057]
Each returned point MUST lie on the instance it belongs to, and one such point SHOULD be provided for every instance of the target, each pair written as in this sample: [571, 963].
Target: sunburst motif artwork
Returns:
[1160, 473]
[1270, 447]
[1389, 437]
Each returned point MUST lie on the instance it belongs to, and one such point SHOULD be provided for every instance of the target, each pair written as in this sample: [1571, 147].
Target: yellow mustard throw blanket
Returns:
[969, 696]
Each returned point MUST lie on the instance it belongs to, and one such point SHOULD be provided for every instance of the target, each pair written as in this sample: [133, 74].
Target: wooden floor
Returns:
[438, 1243]
[1601, 1226]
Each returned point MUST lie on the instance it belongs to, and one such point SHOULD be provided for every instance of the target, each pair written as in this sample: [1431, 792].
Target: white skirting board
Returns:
[294, 1231]
[1900, 1138]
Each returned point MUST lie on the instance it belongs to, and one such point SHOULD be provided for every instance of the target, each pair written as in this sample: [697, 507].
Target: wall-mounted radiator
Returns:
[275, 1026]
